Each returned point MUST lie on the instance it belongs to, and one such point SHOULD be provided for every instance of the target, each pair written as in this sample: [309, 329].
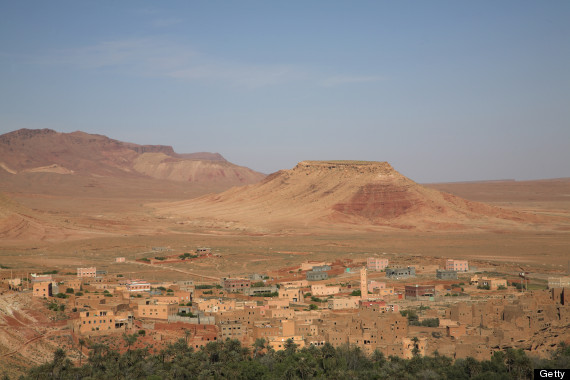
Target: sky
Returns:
[443, 90]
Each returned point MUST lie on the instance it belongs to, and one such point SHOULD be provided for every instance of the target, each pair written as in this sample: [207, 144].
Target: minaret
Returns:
[363, 284]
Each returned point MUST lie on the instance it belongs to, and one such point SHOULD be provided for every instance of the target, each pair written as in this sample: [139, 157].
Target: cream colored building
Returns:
[324, 290]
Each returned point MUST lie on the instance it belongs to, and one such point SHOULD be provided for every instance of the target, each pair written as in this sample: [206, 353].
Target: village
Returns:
[450, 307]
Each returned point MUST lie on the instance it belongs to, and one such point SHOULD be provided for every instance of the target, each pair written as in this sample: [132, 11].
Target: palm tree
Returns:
[290, 346]
[81, 344]
[186, 335]
[130, 340]
[258, 346]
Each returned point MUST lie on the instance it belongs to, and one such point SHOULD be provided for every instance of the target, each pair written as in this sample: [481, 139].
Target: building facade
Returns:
[87, 272]
[416, 292]
[401, 272]
[457, 265]
[376, 264]
[446, 274]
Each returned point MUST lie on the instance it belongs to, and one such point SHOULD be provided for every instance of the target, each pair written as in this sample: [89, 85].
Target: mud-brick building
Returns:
[236, 284]
[232, 330]
[343, 303]
[153, 309]
[560, 295]
[87, 272]
[324, 290]
[101, 321]
[291, 294]
[42, 289]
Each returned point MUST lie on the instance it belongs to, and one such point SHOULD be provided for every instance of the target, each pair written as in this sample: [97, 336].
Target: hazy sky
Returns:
[443, 90]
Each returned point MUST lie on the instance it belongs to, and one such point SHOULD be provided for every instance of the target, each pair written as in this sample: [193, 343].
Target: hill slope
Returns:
[321, 193]
[79, 153]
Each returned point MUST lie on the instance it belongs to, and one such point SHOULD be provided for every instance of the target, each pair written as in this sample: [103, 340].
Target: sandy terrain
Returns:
[53, 220]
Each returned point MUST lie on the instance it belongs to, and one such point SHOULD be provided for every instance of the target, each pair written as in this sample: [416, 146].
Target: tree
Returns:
[258, 346]
[130, 339]
[81, 344]
[290, 346]
[186, 335]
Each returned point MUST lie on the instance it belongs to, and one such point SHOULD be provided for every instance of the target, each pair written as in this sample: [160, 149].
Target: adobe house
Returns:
[324, 290]
[291, 294]
[87, 272]
[42, 289]
[156, 310]
[101, 320]
[343, 303]
[236, 284]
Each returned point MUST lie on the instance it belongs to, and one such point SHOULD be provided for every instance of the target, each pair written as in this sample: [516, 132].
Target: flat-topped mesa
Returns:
[373, 167]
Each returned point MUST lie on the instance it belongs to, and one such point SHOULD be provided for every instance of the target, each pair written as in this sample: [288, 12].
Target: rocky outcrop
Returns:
[346, 192]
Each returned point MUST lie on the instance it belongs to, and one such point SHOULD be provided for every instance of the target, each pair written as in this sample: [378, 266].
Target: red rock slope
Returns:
[357, 193]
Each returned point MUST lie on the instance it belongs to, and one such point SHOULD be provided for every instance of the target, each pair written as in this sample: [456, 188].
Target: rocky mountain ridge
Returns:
[46, 150]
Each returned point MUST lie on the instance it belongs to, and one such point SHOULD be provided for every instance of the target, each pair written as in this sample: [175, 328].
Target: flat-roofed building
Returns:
[41, 277]
[279, 342]
[87, 272]
[324, 290]
[232, 330]
[317, 276]
[493, 283]
[401, 272]
[376, 264]
[446, 274]
[236, 284]
[343, 303]
[294, 284]
[137, 286]
[457, 265]
[154, 309]
[291, 294]
[416, 292]
[42, 289]
[558, 282]
[259, 290]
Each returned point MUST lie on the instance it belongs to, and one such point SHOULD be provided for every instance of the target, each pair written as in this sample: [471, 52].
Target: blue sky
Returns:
[443, 90]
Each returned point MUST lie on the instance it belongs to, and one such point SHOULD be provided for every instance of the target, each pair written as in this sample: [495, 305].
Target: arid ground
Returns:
[66, 225]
